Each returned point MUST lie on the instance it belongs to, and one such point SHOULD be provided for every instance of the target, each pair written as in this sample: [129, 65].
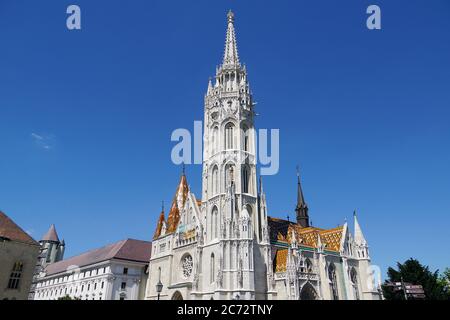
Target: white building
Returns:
[115, 272]
[224, 245]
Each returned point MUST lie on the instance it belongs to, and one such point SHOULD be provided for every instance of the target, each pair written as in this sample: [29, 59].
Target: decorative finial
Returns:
[162, 205]
[230, 16]
[298, 171]
[184, 169]
[354, 213]
[288, 218]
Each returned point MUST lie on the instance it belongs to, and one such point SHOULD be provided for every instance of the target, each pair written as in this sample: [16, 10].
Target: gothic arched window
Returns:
[214, 222]
[354, 280]
[187, 265]
[229, 175]
[245, 179]
[229, 136]
[245, 138]
[333, 282]
[309, 267]
[215, 140]
[213, 269]
[215, 180]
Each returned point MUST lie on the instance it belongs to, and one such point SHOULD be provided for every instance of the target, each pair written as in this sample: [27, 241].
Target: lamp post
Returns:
[159, 287]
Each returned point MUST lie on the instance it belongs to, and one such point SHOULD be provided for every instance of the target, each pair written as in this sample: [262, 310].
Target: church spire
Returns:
[231, 57]
[359, 236]
[301, 208]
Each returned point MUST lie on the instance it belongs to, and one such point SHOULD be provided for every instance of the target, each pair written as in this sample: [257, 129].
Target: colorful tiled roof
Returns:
[11, 231]
[281, 231]
[179, 199]
[159, 226]
[281, 260]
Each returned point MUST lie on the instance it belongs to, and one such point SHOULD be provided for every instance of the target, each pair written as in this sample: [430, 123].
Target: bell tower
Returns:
[233, 225]
[229, 136]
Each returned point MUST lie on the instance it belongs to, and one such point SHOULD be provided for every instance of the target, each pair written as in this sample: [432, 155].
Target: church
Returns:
[224, 244]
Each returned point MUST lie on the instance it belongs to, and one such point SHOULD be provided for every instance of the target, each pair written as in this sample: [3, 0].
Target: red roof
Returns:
[51, 234]
[10, 230]
[129, 249]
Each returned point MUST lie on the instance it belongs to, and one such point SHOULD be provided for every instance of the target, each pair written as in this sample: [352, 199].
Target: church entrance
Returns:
[308, 292]
[177, 296]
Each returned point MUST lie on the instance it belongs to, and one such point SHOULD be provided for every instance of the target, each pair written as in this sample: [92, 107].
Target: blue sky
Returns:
[86, 116]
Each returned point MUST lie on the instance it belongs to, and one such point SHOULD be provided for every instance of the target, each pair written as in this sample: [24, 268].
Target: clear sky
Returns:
[86, 116]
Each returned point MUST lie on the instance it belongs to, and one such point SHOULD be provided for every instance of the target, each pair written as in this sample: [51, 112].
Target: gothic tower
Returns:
[51, 251]
[234, 226]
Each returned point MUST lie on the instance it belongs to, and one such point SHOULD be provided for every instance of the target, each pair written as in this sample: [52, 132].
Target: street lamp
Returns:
[159, 287]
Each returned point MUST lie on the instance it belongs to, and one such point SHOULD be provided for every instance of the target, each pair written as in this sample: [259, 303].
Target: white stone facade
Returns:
[103, 281]
[225, 246]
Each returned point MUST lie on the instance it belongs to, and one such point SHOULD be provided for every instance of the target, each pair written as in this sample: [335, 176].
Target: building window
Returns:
[125, 270]
[123, 285]
[229, 136]
[214, 223]
[333, 282]
[95, 286]
[122, 298]
[245, 179]
[103, 284]
[187, 265]
[354, 279]
[16, 273]
[215, 180]
[246, 138]
[213, 268]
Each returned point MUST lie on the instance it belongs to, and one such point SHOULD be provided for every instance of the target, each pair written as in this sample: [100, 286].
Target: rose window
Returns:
[186, 265]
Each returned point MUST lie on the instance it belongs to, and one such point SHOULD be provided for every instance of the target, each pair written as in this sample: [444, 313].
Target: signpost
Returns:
[410, 291]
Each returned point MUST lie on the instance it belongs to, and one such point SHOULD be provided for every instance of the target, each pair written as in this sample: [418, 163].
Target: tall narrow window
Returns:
[215, 180]
[229, 136]
[16, 274]
[213, 268]
[333, 282]
[246, 138]
[354, 279]
[215, 140]
[245, 179]
[214, 222]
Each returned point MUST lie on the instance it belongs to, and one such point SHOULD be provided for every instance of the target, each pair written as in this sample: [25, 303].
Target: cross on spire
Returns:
[231, 56]
[302, 208]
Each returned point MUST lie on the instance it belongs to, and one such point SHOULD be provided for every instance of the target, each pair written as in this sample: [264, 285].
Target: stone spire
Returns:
[301, 208]
[231, 57]
[359, 237]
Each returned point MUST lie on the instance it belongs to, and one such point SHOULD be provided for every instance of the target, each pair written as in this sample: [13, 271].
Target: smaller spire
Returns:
[359, 236]
[210, 86]
[231, 56]
[302, 208]
[261, 189]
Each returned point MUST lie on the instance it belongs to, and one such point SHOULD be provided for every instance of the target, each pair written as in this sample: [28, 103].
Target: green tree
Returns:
[414, 272]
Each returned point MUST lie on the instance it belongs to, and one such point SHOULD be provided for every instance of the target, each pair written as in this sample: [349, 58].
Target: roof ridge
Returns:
[11, 230]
